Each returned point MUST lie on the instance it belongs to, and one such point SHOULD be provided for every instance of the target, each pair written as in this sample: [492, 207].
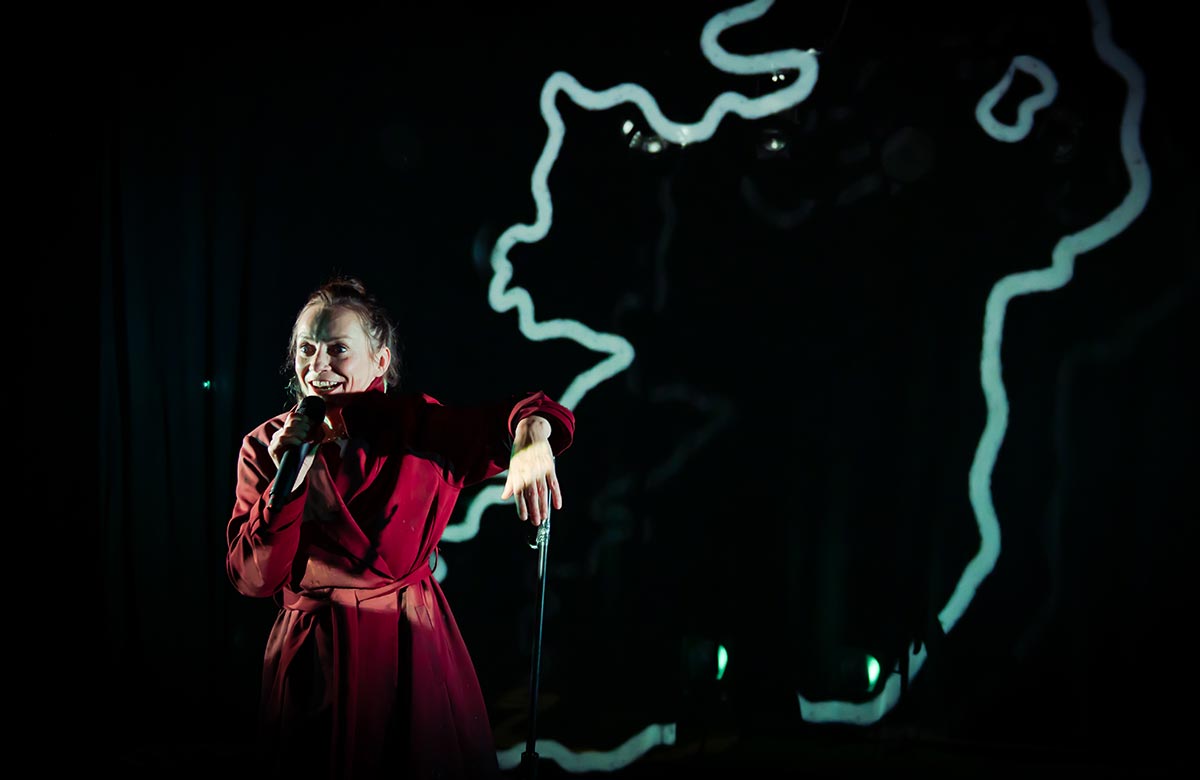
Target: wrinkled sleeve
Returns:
[262, 542]
[477, 441]
[562, 420]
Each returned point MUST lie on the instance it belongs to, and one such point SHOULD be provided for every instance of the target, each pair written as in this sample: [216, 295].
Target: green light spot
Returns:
[722, 660]
[872, 672]
[207, 384]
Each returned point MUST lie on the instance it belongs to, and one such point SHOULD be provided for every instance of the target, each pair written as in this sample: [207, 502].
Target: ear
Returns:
[382, 361]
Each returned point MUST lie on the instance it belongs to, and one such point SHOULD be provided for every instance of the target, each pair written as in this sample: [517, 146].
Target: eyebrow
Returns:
[309, 337]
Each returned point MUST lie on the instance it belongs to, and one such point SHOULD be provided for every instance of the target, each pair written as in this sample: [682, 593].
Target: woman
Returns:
[365, 672]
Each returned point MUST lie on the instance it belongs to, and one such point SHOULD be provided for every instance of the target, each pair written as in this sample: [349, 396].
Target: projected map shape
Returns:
[1052, 277]
[620, 353]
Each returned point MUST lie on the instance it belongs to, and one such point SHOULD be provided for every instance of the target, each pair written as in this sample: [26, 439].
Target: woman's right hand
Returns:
[296, 430]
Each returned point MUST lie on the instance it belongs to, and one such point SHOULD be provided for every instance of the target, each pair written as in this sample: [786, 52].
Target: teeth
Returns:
[320, 383]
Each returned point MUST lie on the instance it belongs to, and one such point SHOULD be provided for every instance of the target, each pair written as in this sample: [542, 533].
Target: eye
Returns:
[305, 349]
[338, 349]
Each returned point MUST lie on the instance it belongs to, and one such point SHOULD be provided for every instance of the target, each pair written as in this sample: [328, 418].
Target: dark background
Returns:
[783, 468]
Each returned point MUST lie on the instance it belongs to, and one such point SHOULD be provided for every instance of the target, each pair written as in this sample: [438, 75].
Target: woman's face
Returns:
[333, 352]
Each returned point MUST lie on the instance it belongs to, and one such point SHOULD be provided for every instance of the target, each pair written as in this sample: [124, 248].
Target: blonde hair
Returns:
[348, 292]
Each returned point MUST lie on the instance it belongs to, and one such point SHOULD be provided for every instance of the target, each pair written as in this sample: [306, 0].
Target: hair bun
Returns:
[340, 286]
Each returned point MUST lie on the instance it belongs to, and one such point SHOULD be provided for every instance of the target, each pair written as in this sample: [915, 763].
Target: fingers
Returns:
[294, 427]
[298, 427]
[532, 501]
[522, 508]
[510, 487]
[295, 431]
[537, 502]
[535, 489]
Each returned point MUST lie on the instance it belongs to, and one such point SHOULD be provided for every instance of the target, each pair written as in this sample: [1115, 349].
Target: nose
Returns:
[321, 360]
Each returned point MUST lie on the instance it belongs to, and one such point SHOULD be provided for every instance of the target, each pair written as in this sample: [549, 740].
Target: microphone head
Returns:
[313, 407]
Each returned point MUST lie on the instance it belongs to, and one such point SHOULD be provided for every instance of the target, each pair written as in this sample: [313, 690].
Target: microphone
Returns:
[312, 407]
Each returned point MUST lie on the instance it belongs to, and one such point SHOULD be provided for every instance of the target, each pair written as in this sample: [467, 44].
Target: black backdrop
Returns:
[782, 471]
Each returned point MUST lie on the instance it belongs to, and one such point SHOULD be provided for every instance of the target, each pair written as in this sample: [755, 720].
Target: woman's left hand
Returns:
[531, 478]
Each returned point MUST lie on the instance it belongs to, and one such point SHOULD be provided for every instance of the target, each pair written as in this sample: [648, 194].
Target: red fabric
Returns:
[365, 671]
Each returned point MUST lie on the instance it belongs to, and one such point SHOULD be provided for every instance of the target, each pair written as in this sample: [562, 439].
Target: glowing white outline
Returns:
[1029, 106]
[502, 298]
[620, 351]
[593, 760]
[1057, 275]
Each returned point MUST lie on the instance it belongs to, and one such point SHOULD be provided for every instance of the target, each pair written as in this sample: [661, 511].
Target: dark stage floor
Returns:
[900, 752]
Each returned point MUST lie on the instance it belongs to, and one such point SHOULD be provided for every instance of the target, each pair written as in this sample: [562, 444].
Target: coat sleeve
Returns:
[262, 542]
[476, 441]
[562, 420]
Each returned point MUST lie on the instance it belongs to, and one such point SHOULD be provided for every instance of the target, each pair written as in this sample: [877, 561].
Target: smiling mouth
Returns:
[324, 386]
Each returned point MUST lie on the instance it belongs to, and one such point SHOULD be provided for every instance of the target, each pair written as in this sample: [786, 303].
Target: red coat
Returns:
[365, 671]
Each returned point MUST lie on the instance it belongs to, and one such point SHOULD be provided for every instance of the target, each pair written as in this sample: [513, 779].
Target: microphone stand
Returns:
[529, 759]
